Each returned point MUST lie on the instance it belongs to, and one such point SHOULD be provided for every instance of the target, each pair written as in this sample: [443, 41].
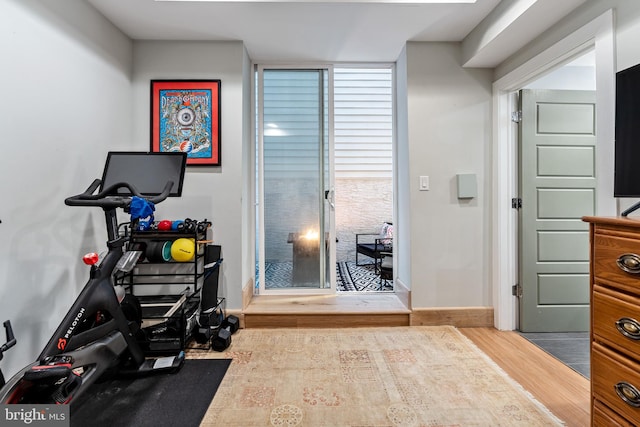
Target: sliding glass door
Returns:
[294, 180]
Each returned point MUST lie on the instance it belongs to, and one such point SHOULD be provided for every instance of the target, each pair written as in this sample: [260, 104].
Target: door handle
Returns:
[330, 196]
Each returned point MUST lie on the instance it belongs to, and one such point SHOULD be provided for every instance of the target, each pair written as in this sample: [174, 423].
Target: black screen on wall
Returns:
[627, 129]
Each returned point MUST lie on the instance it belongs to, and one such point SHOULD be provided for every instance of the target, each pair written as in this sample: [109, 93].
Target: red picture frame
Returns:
[185, 116]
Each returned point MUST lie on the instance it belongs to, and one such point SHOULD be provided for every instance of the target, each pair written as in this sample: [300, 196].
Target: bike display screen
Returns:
[147, 172]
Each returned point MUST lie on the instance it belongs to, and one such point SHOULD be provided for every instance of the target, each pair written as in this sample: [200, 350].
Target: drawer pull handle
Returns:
[628, 327]
[628, 393]
[629, 263]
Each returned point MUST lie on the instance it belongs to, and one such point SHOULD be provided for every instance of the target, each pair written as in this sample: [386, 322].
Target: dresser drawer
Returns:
[605, 417]
[612, 375]
[608, 253]
[616, 320]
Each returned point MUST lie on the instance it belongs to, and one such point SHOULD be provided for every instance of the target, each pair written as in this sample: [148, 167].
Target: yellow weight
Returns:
[183, 250]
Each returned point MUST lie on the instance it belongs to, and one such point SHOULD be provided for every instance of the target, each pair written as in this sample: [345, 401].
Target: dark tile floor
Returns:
[572, 348]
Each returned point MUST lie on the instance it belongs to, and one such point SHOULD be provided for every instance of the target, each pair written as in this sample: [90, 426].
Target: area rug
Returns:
[366, 377]
[170, 400]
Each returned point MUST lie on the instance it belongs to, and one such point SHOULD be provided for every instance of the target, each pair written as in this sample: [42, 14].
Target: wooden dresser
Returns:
[615, 321]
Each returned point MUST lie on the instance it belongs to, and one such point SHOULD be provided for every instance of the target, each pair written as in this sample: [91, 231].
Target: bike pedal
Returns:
[63, 393]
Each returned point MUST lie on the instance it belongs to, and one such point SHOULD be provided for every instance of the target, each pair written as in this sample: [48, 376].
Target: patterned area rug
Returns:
[349, 277]
[352, 277]
[278, 274]
[366, 377]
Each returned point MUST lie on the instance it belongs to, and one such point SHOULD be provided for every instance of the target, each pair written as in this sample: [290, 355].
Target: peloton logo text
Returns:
[62, 342]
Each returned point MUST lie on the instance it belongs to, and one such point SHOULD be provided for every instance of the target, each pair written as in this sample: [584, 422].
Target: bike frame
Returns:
[91, 352]
[97, 295]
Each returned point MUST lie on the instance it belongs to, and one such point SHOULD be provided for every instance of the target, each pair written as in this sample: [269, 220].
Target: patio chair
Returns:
[386, 268]
[373, 244]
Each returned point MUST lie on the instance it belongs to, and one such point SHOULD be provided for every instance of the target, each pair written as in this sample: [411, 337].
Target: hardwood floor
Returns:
[562, 390]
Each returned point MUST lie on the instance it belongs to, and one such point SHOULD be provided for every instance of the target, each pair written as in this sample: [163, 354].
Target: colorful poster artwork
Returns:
[185, 122]
[185, 116]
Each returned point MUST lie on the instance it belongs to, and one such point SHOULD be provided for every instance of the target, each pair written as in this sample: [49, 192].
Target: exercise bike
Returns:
[101, 331]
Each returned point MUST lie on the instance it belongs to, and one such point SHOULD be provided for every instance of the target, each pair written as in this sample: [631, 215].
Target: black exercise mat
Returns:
[179, 399]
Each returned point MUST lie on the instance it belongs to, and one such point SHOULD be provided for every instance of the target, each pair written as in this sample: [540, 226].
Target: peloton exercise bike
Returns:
[101, 331]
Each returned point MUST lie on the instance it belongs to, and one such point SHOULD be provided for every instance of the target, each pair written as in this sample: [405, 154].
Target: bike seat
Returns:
[52, 383]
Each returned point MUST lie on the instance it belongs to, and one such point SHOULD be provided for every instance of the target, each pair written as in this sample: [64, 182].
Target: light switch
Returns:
[424, 183]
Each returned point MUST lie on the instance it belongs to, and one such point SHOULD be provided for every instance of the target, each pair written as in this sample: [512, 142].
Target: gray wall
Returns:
[66, 85]
[214, 193]
[449, 133]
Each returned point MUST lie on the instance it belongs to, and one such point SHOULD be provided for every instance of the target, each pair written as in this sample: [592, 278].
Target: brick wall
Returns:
[362, 205]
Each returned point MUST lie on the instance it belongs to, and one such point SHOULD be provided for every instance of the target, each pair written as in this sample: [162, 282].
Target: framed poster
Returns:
[185, 116]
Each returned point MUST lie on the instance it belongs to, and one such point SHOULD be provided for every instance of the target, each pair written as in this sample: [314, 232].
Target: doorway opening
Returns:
[556, 188]
[324, 168]
[364, 118]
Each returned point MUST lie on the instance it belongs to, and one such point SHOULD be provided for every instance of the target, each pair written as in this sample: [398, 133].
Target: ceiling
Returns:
[333, 30]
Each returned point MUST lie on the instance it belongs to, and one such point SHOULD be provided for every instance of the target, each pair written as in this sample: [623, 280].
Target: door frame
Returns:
[599, 35]
[259, 180]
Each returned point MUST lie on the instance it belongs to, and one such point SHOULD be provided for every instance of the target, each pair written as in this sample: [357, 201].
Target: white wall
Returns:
[214, 193]
[627, 34]
[449, 133]
[66, 92]
[627, 28]
[587, 23]
[248, 255]
[402, 228]
[567, 78]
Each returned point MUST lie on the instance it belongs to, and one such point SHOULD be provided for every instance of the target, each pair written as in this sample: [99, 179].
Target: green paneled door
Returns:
[557, 186]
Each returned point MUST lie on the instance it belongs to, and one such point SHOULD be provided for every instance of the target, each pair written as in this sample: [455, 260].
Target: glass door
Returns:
[295, 197]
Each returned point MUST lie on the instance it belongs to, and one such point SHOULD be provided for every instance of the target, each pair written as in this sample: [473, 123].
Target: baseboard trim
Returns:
[332, 320]
[462, 317]
[247, 293]
[402, 292]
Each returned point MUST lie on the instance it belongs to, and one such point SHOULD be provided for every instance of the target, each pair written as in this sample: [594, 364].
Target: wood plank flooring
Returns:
[562, 390]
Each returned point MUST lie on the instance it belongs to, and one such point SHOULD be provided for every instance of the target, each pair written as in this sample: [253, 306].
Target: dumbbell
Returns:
[187, 226]
[222, 339]
[207, 326]
[203, 225]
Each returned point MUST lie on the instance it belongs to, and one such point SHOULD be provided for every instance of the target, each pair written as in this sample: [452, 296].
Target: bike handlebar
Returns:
[11, 339]
[109, 198]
